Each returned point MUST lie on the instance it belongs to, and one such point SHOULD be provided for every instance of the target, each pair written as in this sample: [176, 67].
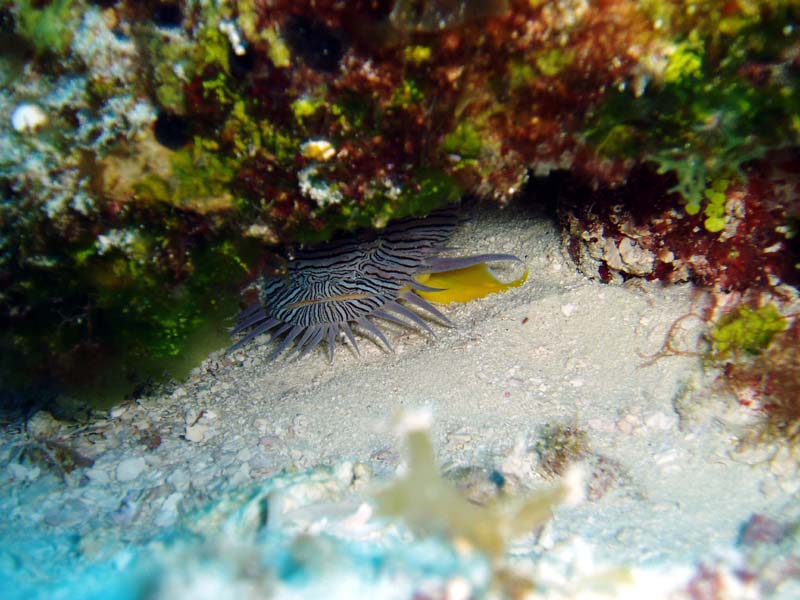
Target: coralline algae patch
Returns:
[157, 151]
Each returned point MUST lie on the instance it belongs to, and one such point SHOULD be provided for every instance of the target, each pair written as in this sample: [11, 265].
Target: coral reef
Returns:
[759, 351]
[155, 151]
[640, 230]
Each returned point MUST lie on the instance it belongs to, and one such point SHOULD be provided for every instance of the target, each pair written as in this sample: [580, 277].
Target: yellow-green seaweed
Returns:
[747, 330]
[48, 26]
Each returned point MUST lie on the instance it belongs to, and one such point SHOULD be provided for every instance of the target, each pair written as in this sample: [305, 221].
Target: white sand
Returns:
[560, 349]
[493, 382]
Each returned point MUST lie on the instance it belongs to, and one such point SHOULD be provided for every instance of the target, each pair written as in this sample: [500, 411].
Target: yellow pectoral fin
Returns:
[463, 285]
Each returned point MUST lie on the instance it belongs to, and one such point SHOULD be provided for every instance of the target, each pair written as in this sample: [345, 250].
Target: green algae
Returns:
[551, 63]
[407, 95]
[279, 52]
[433, 189]
[464, 141]
[704, 119]
[418, 54]
[160, 314]
[715, 206]
[306, 106]
[521, 74]
[171, 64]
[686, 62]
[213, 48]
[199, 181]
[49, 26]
[105, 313]
[747, 330]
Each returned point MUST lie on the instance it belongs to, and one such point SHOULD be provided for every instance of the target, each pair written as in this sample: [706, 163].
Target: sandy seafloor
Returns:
[249, 479]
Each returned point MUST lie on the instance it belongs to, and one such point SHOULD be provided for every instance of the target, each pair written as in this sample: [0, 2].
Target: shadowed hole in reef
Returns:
[317, 45]
[168, 15]
[172, 131]
[103, 381]
[541, 194]
[18, 405]
[242, 64]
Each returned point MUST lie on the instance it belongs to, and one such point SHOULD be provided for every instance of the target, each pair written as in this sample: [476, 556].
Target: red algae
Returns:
[639, 230]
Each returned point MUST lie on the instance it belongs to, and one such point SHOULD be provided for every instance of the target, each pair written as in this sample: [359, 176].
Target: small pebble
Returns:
[28, 118]
[240, 477]
[629, 424]
[459, 588]
[262, 463]
[43, 425]
[68, 514]
[98, 475]
[169, 510]
[599, 424]
[458, 438]
[195, 433]
[270, 441]
[790, 487]
[23, 473]
[299, 426]
[659, 421]
[117, 412]
[130, 468]
[179, 479]
[628, 535]
[667, 457]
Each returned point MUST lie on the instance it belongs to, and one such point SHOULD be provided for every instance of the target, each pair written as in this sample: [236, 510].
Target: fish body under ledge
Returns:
[347, 283]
